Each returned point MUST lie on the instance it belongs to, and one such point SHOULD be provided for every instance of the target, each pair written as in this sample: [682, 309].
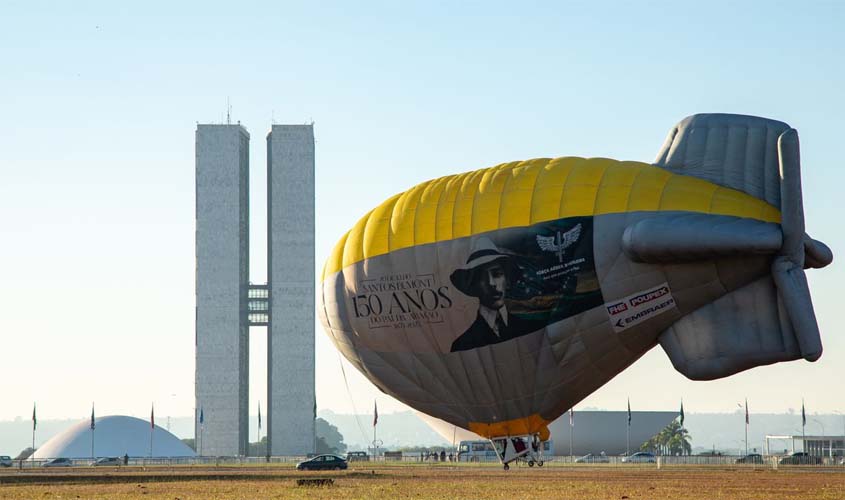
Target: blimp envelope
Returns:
[499, 298]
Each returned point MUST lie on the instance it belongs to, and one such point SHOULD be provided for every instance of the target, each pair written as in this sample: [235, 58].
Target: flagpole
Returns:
[375, 425]
[682, 415]
[152, 428]
[628, 431]
[746, 427]
[202, 427]
[93, 426]
[803, 425]
[571, 425]
[34, 423]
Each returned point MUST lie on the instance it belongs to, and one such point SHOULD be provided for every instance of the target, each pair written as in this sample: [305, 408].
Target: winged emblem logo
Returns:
[560, 241]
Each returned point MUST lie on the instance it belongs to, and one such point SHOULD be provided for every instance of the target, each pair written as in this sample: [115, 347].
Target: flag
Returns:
[34, 420]
[629, 412]
[375, 413]
[259, 415]
[93, 425]
[201, 417]
[153, 417]
[572, 417]
[746, 411]
[682, 413]
[803, 415]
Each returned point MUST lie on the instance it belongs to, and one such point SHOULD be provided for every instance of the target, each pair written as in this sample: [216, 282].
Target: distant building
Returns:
[290, 267]
[227, 304]
[594, 431]
[222, 282]
[607, 431]
[817, 446]
[113, 436]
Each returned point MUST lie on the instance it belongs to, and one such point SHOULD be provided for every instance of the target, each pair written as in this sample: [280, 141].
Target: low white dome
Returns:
[114, 436]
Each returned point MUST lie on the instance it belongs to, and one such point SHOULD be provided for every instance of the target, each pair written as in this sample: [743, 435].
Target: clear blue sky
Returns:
[100, 103]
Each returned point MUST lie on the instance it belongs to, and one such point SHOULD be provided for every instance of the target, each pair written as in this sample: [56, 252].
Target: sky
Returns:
[101, 101]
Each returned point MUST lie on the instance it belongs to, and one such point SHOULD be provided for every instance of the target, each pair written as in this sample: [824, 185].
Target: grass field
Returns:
[441, 482]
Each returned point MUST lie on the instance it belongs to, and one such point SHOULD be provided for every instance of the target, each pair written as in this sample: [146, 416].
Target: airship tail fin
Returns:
[735, 151]
[760, 157]
[743, 329]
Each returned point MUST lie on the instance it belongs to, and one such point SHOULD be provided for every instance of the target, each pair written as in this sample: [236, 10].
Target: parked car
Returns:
[593, 459]
[800, 458]
[323, 462]
[5, 461]
[751, 458]
[58, 462]
[640, 457]
[108, 461]
[357, 456]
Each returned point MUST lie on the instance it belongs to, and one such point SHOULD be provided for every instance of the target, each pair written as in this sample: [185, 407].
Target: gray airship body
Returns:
[497, 299]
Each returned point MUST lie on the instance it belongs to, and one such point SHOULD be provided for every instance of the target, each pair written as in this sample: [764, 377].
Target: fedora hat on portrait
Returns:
[484, 251]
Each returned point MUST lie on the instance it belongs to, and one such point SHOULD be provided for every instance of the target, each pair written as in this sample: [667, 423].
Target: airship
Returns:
[499, 298]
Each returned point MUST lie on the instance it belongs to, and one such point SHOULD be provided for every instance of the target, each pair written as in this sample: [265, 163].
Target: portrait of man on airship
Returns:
[487, 276]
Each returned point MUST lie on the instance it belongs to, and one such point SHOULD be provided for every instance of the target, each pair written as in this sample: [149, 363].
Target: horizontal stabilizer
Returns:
[687, 237]
[741, 330]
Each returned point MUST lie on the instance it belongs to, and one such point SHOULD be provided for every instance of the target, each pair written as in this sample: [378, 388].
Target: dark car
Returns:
[357, 456]
[58, 462]
[640, 457]
[108, 461]
[800, 458]
[323, 462]
[5, 461]
[751, 458]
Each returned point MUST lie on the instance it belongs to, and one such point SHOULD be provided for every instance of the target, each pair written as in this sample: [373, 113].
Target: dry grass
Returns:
[429, 482]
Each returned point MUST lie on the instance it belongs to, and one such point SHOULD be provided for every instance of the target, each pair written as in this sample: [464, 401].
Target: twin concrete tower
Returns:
[228, 304]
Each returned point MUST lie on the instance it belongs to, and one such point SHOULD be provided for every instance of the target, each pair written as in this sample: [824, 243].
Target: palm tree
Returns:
[672, 440]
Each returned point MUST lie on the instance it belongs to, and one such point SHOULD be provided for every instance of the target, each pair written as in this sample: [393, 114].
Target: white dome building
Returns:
[114, 436]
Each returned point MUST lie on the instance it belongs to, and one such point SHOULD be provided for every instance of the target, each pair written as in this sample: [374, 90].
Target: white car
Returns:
[108, 461]
[593, 459]
[640, 457]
